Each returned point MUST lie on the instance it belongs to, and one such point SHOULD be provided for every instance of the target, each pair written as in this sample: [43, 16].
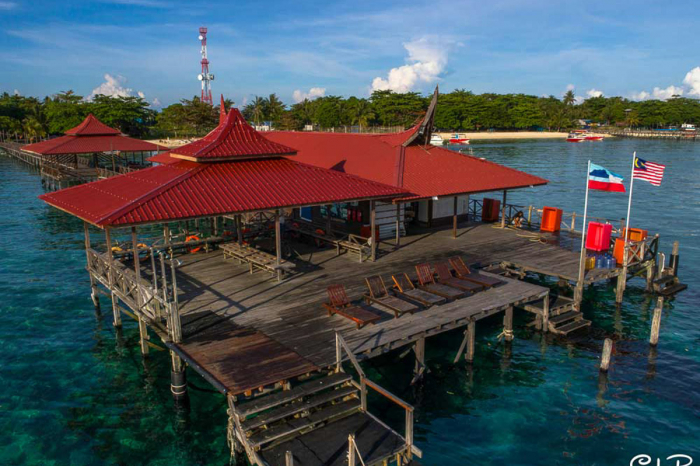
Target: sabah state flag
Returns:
[604, 180]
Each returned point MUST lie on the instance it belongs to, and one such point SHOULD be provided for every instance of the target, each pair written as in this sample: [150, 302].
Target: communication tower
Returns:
[205, 76]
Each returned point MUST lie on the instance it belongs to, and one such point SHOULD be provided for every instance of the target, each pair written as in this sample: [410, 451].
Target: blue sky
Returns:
[346, 48]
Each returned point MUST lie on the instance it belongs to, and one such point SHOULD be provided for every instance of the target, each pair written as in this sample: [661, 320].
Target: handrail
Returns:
[387, 394]
[340, 344]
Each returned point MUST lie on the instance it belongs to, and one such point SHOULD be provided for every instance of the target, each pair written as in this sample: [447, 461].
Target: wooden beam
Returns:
[454, 220]
[117, 317]
[328, 219]
[239, 228]
[508, 324]
[143, 332]
[398, 225]
[503, 210]
[278, 242]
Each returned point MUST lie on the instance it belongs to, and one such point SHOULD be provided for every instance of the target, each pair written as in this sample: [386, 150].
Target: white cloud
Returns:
[313, 93]
[141, 94]
[594, 93]
[113, 86]
[427, 60]
[643, 95]
[156, 102]
[570, 87]
[692, 80]
[6, 6]
[658, 93]
[16, 92]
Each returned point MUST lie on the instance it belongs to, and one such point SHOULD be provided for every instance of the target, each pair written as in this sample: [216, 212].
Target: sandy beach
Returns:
[509, 135]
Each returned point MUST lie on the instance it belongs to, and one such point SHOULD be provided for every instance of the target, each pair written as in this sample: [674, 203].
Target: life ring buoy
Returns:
[117, 249]
[193, 238]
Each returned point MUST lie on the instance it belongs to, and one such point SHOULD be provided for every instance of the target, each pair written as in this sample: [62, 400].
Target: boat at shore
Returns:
[436, 140]
[575, 137]
[593, 137]
[458, 138]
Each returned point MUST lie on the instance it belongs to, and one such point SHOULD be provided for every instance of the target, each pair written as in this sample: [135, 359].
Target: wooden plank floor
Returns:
[280, 329]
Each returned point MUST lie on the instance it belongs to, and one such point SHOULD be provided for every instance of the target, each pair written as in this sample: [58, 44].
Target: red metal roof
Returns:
[90, 144]
[188, 189]
[232, 139]
[91, 126]
[425, 171]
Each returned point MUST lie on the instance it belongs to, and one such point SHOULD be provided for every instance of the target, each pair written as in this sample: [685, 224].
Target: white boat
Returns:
[436, 140]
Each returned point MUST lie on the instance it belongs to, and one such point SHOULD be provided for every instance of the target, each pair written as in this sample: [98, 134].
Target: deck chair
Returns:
[380, 295]
[464, 273]
[444, 276]
[428, 283]
[341, 305]
[404, 287]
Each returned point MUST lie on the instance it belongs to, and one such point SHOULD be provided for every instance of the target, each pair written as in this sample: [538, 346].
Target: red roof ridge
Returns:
[91, 126]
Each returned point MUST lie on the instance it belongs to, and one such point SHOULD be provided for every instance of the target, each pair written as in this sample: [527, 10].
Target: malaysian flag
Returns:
[648, 171]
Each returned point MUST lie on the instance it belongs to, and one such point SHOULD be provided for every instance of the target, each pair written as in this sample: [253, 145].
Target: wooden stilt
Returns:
[143, 332]
[419, 368]
[93, 284]
[178, 378]
[239, 229]
[651, 266]
[328, 219]
[117, 317]
[621, 284]
[508, 324]
[467, 343]
[656, 322]
[545, 314]
[143, 336]
[607, 352]
[373, 228]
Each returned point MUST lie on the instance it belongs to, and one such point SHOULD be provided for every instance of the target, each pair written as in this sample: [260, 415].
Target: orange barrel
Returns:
[551, 219]
[598, 236]
[618, 250]
[636, 234]
[490, 210]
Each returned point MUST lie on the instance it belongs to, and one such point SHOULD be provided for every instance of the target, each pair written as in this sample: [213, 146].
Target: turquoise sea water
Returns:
[73, 392]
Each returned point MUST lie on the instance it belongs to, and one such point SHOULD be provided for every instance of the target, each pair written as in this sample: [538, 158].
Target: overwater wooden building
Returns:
[232, 253]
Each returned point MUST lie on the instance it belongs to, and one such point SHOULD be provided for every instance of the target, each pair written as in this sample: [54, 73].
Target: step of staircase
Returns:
[295, 408]
[672, 289]
[287, 396]
[665, 280]
[294, 425]
[564, 318]
[572, 327]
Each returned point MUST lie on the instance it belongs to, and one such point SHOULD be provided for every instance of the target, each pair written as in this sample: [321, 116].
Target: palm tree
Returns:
[258, 109]
[274, 107]
[33, 129]
[362, 113]
[633, 120]
[569, 98]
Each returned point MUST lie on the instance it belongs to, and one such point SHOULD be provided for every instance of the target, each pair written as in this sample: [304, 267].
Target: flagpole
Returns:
[582, 264]
[629, 204]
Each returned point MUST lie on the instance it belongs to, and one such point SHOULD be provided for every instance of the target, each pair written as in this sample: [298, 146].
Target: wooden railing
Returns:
[149, 299]
[340, 347]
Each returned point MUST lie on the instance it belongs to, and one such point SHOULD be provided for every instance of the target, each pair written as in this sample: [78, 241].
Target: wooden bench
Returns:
[340, 304]
[351, 243]
[255, 258]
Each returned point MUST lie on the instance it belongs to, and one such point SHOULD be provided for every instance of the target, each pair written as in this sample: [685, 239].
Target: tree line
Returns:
[31, 118]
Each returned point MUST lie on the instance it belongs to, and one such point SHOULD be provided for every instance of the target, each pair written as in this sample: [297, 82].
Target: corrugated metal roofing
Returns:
[90, 144]
[91, 126]
[232, 139]
[188, 189]
[425, 171]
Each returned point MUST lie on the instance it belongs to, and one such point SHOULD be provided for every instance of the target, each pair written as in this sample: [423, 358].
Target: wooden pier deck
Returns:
[234, 321]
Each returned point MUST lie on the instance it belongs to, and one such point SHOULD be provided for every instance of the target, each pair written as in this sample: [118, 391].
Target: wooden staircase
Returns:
[668, 285]
[282, 415]
[563, 316]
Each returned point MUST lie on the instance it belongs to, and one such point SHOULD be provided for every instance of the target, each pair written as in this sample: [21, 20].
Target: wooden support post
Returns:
[467, 343]
[545, 314]
[607, 352]
[529, 216]
[398, 225]
[328, 219]
[673, 263]
[503, 210]
[373, 228]
[656, 322]
[621, 281]
[239, 228]
[178, 378]
[143, 332]
[288, 458]
[651, 268]
[93, 285]
[508, 324]
[278, 242]
[117, 317]
[454, 219]
[352, 456]
[573, 222]
[419, 368]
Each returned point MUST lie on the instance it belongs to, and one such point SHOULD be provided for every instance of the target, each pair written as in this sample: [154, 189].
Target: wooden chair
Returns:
[445, 277]
[404, 287]
[428, 283]
[380, 295]
[465, 273]
[341, 305]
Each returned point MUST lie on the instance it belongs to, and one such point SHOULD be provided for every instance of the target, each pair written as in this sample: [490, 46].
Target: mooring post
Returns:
[117, 317]
[178, 378]
[93, 286]
[656, 322]
[673, 264]
[607, 352]
[508, 324]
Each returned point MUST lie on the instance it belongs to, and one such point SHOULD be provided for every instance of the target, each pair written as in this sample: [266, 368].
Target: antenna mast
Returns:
[205, 76]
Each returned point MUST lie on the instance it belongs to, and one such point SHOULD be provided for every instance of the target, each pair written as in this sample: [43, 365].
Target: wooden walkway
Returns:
[234, 321]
